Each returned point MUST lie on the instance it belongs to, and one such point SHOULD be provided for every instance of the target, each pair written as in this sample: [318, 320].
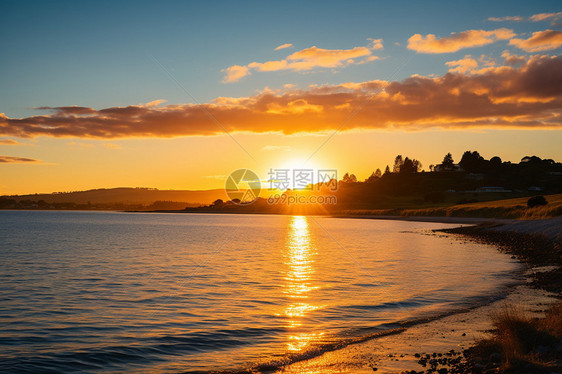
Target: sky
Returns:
[176, 95]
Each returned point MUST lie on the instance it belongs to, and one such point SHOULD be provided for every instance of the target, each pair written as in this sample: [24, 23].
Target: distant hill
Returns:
[126, 195]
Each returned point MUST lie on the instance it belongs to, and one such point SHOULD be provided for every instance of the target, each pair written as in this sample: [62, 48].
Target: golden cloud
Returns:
[463, 65]
[235, 73]
[513, 60]
[283, 46]
[456, 41]
[16, 160]
[553, 17]
[527, 96]
[9, 142]
[546, 40]
[307, 59]
[506, 18]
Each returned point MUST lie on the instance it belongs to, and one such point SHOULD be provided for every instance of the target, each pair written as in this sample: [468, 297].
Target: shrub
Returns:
[536, 201]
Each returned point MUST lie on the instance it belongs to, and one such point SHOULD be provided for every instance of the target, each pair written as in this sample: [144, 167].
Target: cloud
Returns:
[154, 103]
[513, 60]
[16, 160]
[506, 18]
[9, 142]
[527, 96]
[472, 65]
[457, 41]
[540, 41]
[376, 44]
[235, 73]
[283, 46]
[307, 59]
[463, 65]
[553, 17]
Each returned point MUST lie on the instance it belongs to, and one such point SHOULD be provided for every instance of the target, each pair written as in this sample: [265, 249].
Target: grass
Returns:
[508, 208]
[521, 343]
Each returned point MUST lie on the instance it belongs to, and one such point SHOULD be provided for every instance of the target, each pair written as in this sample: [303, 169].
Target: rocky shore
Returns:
[519, 344]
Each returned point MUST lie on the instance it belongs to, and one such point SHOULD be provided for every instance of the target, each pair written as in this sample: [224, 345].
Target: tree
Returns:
[398, 162]
[410, 166]
[495, 162]
[349, 178]
[387, 170]
[531, 160]
[448, 162]
[218, 203]
[372, 178]
[472, 162]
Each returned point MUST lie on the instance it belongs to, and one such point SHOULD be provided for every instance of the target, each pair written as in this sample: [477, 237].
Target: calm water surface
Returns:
[118, 292]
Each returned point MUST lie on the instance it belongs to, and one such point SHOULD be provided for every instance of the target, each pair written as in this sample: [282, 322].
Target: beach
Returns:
[448, 340]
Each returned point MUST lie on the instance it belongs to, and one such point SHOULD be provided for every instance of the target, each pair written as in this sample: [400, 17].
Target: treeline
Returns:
[471, 162]
[473, 179]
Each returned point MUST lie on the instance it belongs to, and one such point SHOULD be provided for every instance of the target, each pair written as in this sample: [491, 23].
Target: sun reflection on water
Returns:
[299, 260]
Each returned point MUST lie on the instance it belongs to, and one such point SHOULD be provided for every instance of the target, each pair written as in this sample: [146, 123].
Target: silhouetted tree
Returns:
[472, 162]
[349, 178]
[372, 178]
[218, 203]
[387, 170]
[410, 166]
[398, 162]
[495, 162]
[448, 162]
[531, 160]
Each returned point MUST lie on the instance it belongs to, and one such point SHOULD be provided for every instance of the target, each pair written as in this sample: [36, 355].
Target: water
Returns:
[118, 292]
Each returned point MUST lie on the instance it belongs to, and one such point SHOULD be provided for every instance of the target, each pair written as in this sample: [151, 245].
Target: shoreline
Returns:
[536, 245]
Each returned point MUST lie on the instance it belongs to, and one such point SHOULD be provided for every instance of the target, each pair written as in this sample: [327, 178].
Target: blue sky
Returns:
[98, 53]
[97, 65]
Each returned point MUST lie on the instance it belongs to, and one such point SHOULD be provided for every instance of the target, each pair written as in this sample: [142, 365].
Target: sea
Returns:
[113, 292]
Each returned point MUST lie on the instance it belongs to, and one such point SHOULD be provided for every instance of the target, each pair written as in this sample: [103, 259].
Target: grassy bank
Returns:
[521, 344]
[509, 208]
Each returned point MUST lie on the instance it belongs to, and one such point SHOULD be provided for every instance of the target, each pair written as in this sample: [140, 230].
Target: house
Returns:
[440, 167]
